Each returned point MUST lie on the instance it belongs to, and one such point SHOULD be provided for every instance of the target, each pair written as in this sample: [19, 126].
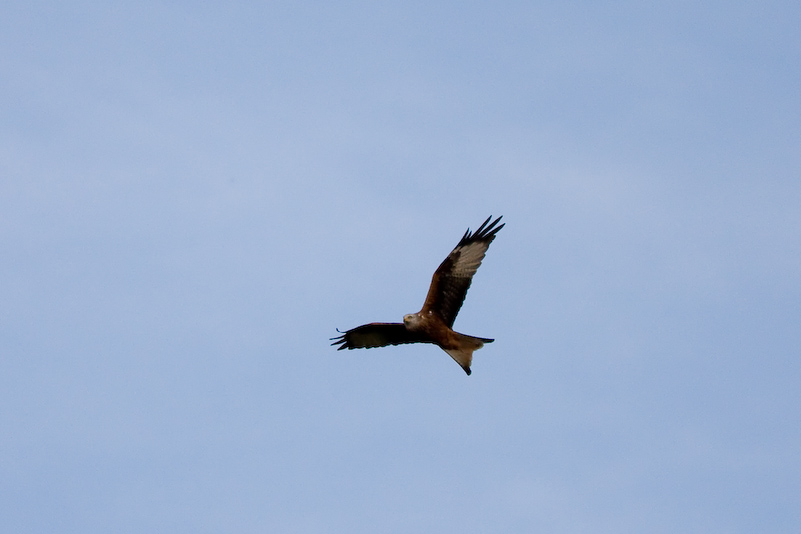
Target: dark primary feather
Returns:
[452, 278]
[377, 335]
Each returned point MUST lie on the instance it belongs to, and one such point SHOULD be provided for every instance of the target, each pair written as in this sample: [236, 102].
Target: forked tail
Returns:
[463, 355]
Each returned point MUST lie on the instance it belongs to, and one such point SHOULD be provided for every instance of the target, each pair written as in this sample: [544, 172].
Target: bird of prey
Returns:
[434, 323]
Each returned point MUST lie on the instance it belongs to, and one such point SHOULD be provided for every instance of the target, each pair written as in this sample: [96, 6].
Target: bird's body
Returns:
[434, 322]
[459, 346]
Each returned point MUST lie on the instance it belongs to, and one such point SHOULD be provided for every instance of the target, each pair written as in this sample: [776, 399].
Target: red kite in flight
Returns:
[434, 323]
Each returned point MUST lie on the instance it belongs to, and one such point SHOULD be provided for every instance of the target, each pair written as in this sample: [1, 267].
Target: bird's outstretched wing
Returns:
[452, 278]
[377, 335]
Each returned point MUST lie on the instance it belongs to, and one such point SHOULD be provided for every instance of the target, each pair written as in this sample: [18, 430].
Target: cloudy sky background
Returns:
[193, 196]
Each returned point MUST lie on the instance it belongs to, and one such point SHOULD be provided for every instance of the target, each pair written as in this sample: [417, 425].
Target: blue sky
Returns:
[194, 196]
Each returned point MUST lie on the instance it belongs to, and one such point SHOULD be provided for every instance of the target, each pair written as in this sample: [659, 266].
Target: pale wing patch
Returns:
[469, 259]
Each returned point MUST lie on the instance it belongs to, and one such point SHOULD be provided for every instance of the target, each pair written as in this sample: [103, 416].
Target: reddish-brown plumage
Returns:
[434, 322]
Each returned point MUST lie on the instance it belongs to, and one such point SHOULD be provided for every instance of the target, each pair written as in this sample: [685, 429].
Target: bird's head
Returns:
[411, 319]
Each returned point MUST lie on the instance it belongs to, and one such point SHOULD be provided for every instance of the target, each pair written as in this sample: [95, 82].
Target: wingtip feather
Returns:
[486, 231]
